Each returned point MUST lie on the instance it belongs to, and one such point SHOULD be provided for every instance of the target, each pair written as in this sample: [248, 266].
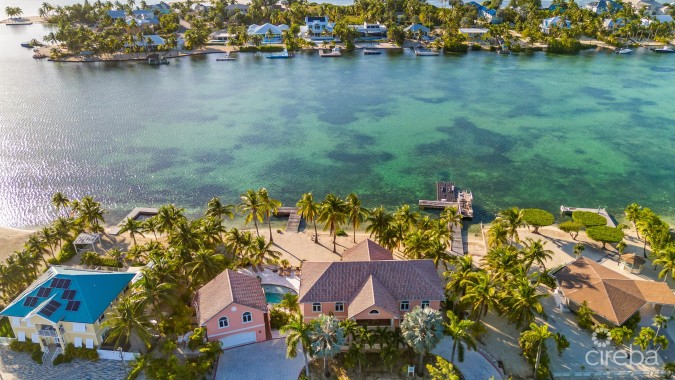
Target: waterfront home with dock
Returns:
[67, 305]
[490, 15]
[317, 28]
[369, 287]
[271, 34]
[476, 35]
[554, 22]
[233, 309]
[370, 31]
[417, 29]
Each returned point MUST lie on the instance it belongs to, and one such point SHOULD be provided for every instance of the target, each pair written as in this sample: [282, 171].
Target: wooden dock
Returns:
[293, 218]
[447, 195]
[457, 245]
[599, 211]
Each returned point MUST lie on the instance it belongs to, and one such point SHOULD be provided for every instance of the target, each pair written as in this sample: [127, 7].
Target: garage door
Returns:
[238, 339]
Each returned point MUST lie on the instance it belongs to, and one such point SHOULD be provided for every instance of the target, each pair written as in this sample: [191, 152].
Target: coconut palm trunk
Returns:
[536, 363]
[316, 233]
[269, 224]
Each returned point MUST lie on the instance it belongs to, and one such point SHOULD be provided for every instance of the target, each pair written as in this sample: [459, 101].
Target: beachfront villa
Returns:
[233, 309]
[613, 297]
[117, 15]
[242, 8]
[603, 6]
[490, 15]
[417, 29]
[610, 25]
[369, 286]
[317, 28]
[201, 7]
[656, 18]
[270, 33]
[370, 31]
[554, 22]
[651, 7]
[66, 305]
[143, 17]
[151, 42]
[477, 35]
[162, 8]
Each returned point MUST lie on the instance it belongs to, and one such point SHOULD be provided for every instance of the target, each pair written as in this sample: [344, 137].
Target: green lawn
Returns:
[6, 328]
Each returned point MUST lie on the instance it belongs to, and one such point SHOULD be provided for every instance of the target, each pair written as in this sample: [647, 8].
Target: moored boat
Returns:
[226, 57]
[39, 56]
[26, 45]
[334, 52]
[665, 49]
[503, 50]
[624, 50]
[371, 52]
[283, 55]
[425, 52]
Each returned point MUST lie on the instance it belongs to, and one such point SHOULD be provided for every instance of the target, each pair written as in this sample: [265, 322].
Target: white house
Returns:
[610, 25]
[554, 22]
[416, 29]
[368, 30]
[474, 34]
[270, 33]
[242, 8]
[201, 7]
[655, 18]
[317, 28]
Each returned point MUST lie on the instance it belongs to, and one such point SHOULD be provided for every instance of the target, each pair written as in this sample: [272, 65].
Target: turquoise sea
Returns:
[532, 130]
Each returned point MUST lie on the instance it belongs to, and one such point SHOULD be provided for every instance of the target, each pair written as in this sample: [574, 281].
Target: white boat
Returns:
[283, 55]
[334, 52]
[226, 57]
[664, 49]
[371, 52]
[426, 52]
[624, 51]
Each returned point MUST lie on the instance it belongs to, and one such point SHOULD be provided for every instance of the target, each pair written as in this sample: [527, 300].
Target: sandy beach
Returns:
[11, 240]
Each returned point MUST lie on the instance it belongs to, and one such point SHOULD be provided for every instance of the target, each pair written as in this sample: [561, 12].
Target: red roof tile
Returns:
[373, 293]
[367, 250]
[227, 288]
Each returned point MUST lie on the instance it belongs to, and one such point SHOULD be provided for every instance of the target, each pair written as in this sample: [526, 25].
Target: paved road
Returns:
[19, 366]
[266, 360]
[474, 366]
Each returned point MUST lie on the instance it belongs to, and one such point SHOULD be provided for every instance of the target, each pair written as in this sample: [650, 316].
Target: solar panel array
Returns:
[73, 305]
[50, 308]
[44, 292]
[30, 301]
[61, 283]
[68, 294]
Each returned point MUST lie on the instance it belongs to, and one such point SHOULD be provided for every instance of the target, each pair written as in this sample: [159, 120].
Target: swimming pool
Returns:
[275, 293]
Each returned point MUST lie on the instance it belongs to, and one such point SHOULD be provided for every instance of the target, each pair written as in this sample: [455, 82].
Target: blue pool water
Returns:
[275, 293]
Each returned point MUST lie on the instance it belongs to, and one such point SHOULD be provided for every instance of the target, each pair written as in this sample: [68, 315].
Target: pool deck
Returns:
[267, 277]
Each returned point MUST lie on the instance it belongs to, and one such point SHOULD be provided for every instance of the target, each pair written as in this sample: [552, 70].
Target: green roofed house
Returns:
[66, 305]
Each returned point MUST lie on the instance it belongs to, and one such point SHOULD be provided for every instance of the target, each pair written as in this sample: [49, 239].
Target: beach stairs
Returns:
[294, 219]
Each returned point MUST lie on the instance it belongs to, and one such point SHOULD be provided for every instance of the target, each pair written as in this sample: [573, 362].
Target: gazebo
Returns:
[631, 262]
[86, 240]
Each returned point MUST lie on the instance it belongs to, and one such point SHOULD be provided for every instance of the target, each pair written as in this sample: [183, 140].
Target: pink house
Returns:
[369, 286]
[233, 309]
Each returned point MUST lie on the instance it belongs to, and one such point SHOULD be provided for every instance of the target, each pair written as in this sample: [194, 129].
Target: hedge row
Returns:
[73, 352]
[30, 347]
[589, 219]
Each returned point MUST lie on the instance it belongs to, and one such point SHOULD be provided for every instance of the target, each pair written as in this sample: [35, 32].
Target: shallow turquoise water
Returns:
[530, 130]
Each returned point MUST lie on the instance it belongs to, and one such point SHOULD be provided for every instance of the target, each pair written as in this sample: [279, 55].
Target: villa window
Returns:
[246, 317]
[339, 306]
[223, 322]
[372, 312]
[405, 305]
[425, 304]
[316, 307]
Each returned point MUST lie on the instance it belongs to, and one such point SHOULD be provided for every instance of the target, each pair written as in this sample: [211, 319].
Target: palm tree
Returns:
[422, 329]
[327, 337]
[168, 217]
[251, 205]
[90, 213]
[212, 230]
[667, 260]
[185, 236]
[452, 217]
[481, 293]
[534, 252]
[659, 322]
[406, 217]
[522, 301]
[355, 212]
[127, 322]
[290, 302]
[333, 214]
[633, 215]
[133, 227]
[379, 221]
[463, 267]
[497, 235]
[298, 332]
[512, 219]
[416, 245]
[215, 208]
[151, 225]
[460, 332]
[578, 248]
[269, 206]
[205, 265]
[260, 252]
[533, 339]
[438, 254]
[309, 210]
[150, 290]
[60, 201]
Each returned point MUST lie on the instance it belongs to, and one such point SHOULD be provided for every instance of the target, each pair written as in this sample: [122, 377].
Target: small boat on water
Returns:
[503, 50]
[226, 57]
[26, 45]
[283, 55]
[665, 49]
[334, 52]
[39, 56]
[371, 52]
[624, 50]
[426, 52]
[154, 60]
[18, 22]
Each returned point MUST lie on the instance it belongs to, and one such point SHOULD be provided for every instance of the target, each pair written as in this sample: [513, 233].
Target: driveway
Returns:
[266, 360]
[474, 366]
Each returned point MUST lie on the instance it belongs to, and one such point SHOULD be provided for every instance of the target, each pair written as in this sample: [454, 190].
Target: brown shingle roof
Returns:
[373, 293]
[227, 288]
[340, 281]
[610, 294]
[367, 250]
[633, 259]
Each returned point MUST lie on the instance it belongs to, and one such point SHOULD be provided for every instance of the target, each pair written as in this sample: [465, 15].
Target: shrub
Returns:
[605, 234]
[341, 233]
[197, 339]
[72, 352]
[476, 47]
[30, 347]
[588, 218]
[65, 254]
[6, 328]
[537, 218]
[278, 318]
[571, 227]
[564, 45]
[585, 315]
[455, 44]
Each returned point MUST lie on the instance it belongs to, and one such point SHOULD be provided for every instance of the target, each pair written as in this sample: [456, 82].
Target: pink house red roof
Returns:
[227, 288]
[367, 250]
[373, 294]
